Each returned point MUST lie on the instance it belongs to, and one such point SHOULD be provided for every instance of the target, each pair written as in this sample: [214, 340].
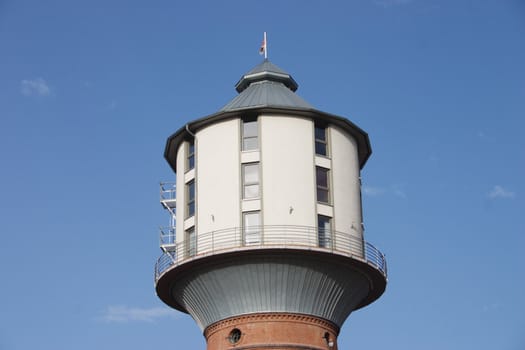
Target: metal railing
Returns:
[375, 257]
[164, 262]
[167, 236]
[260, 237]
[167, 191]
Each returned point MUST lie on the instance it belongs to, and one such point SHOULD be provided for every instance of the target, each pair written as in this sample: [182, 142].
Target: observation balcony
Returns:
[265, 237]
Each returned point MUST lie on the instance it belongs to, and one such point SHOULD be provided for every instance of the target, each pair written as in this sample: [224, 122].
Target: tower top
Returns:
[266, 85]
[266, 88]
[266, 70]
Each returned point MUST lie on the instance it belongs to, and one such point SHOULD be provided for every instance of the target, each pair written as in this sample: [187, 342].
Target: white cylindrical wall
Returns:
[288, 178]
[217, 173]
[287, 159]
[181, 193]
[347, 187]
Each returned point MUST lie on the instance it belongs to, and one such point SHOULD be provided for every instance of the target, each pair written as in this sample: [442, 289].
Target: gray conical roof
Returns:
[266, 85]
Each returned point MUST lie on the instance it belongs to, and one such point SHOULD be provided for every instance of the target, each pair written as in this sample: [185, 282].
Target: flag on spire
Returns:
[263, 49]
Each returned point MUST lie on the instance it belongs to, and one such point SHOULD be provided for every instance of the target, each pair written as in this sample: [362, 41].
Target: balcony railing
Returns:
[260, 237]
[167, 236]
[168, 196]
[167, 191]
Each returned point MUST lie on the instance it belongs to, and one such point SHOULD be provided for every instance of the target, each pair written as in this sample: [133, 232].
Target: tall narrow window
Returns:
[251, 227]
[190, 195]
[324, 231]
[250, 139]
[321, 145]
[191, 155]
[191, 242]
[323, 184]
[250, 177]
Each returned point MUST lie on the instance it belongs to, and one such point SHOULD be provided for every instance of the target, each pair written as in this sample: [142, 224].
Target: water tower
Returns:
[269, 250]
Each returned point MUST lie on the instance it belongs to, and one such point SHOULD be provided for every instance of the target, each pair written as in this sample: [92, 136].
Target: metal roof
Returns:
[266, 93]
[266, 85]
[266, 66]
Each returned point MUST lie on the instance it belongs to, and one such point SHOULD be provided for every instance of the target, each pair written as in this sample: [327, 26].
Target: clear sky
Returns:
[90, 90]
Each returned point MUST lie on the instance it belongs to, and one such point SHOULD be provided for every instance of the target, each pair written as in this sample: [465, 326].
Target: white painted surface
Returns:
[218, 177]
[181, 191]
[288, 171]
[250, 156]
[323, 162]
[326, 210]
[345, 179]
[251, 205]
[287, 179]
[190, 174]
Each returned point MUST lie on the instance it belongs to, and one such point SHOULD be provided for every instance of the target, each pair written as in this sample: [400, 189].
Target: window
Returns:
[235, 336]
[191, 155]
[251, 227]
[250, 180]
[191, 242]
[323, 188]
[324, 231]
[321, 145]
[190, 195]
[250, 135]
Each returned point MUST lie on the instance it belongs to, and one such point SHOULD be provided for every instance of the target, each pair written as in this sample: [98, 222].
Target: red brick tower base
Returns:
[272, 331]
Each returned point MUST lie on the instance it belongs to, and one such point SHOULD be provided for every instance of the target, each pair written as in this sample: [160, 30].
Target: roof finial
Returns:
[264, 47]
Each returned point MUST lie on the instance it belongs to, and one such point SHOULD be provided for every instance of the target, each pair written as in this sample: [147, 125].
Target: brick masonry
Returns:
[272, 331]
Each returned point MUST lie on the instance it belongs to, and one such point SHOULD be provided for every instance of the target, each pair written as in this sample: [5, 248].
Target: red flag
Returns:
[262, 49]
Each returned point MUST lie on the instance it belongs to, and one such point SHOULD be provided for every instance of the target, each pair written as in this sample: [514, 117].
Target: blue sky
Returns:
[89, 92]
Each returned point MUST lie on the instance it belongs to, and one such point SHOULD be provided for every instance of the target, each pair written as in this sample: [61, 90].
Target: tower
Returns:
[269, 250]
